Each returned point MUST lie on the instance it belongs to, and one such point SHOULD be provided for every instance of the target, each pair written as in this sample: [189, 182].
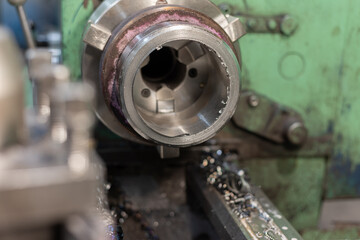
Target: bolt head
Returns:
[253, 101]
[296, 133]
[288, 25]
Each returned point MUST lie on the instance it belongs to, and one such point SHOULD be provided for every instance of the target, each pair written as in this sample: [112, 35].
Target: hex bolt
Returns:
[253, 101]
[288, 25]
[296, 133]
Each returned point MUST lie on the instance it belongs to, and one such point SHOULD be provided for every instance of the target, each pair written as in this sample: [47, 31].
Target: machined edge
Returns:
[141, 50]
[126, 8]
[138, 24]
[100, 15]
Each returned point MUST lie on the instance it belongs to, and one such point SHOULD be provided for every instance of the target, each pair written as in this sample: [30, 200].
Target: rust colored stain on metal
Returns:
[139, 24]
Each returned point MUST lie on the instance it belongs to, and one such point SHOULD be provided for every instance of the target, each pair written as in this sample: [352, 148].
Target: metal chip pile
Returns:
[232, 182]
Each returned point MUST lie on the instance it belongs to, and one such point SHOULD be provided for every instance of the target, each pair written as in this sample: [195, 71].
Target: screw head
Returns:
[193, 73]
[145, 93]
[288, 25]
[296, 133]
[253, 101]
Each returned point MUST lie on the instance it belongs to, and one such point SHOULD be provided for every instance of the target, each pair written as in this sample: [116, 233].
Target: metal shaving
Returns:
[232, 183]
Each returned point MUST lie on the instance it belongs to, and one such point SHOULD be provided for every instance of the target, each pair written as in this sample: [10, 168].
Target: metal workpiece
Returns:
[12, 130]
[187, 105]
[165, 74]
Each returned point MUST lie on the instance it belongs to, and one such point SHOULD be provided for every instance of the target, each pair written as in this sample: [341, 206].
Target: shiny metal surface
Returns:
[235, 29]
[180, 107]
[112, 12]
[97, 36]
[181, 110]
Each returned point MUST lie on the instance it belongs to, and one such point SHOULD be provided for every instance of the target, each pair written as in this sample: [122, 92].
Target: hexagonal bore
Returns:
[187, 88]
[163, 67]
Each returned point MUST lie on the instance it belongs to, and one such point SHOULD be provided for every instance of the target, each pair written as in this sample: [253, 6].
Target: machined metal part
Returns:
[266, 118]
[281, 24]
[97, 36]
[168, 73]
[284, 24]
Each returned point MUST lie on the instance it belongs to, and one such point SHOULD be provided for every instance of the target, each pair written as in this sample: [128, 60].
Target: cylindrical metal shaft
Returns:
[25, 26]
[24, 22]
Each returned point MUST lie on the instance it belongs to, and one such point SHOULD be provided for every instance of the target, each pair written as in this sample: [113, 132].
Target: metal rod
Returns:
[25, 26]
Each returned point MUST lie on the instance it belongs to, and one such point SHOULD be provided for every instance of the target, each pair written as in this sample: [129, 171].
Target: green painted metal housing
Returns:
[315, 71]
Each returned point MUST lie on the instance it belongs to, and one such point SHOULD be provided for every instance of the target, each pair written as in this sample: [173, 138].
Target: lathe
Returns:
[175, 119]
